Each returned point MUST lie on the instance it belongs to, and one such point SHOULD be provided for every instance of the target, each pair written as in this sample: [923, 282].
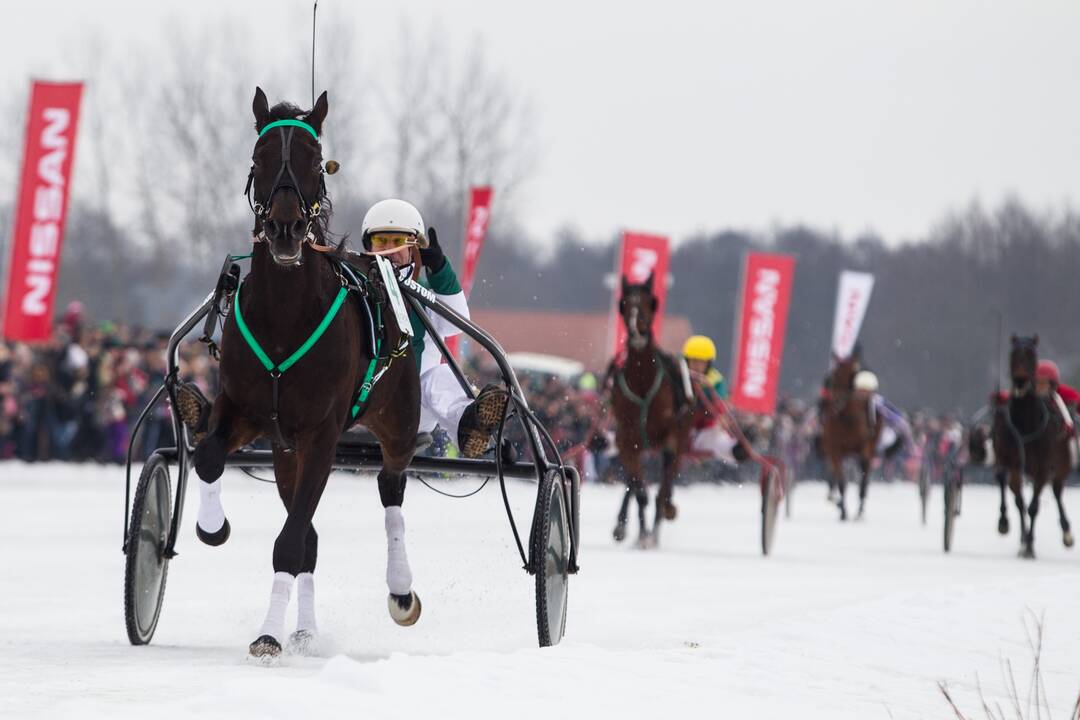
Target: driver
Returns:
[712, 433]
[394, 229]
[896, 433]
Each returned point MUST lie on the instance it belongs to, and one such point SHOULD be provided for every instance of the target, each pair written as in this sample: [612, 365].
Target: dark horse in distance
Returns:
[1029, 438]
[651, 409]
[848, 429]
[302, 404]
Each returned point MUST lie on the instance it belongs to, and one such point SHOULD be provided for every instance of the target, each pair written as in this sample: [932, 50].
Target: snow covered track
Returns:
[842, 621]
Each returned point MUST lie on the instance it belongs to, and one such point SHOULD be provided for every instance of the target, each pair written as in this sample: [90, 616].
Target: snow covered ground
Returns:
[844, 621]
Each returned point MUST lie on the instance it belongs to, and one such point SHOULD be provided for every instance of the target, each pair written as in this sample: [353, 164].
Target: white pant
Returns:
[442, 401]
[886, 439]
[715, 441]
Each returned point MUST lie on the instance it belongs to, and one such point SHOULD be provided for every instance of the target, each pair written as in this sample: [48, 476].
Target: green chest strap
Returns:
[288, 362]
[643, 403]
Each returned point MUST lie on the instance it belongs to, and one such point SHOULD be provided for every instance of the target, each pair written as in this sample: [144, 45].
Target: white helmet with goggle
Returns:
[392, 224]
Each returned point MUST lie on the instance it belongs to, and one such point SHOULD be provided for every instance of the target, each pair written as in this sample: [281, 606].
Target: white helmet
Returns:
[866, 380]
[393, 216]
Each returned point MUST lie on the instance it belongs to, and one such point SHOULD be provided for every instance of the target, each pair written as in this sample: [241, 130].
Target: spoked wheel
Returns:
[550, 552]
[769, 505]
[924, 490]
[952, 505]
[147, 566]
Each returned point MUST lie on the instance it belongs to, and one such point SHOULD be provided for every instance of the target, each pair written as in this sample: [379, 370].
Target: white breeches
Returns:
[715, 441]
[887, 438]
[442, 401]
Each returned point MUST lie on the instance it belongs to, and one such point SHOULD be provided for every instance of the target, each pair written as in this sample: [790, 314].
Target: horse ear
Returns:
[649, 282]
[1035, 340]
[625, 285]
[1012, 339]
[318, 113]
[654, 302]
[261, 108]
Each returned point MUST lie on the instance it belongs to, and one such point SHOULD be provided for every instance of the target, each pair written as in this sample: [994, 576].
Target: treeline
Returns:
[931, 331]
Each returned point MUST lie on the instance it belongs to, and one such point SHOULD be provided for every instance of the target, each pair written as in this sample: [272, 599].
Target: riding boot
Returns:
[480, 419]
[194, 410]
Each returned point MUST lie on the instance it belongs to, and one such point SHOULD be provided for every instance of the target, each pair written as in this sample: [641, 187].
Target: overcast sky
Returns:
[677, 116]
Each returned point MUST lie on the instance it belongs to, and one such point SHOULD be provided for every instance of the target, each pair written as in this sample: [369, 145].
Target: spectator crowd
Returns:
[77, 397]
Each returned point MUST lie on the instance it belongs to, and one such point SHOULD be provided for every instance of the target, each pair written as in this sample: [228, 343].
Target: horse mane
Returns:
[321, 227]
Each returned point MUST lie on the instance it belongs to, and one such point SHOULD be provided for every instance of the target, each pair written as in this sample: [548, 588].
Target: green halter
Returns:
[290, 123]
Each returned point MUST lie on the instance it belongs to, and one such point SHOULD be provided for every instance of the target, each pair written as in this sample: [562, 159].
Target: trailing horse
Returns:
[848, 428]
[298, 298]
[649, 400]
[1029, 438]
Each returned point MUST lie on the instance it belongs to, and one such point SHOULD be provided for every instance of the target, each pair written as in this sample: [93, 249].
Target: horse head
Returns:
[285, 187]
[637, 306]
[1023, 359]
[842, 379]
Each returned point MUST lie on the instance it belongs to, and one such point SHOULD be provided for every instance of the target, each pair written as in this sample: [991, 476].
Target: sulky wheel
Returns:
[769, 505]
[147, 566]
[550, 552]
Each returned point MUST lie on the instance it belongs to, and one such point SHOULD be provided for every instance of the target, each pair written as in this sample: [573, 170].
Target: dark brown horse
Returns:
[847, 430]
[1030, 438]
[651, 411]
[304, 407]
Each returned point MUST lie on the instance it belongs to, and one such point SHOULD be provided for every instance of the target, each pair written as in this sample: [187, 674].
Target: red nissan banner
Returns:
[641, 256]
[476, 224]
[759, 346]
[39, 216]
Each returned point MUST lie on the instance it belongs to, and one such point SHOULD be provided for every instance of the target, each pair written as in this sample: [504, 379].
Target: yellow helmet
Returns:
[699, 347]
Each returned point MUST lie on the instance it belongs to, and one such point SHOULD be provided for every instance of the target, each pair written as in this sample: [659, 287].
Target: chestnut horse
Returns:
[1030, 438]
[651, 411]
[302, 404]
[848, 429]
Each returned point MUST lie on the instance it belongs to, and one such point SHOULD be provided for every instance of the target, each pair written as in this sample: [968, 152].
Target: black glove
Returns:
[432, 256]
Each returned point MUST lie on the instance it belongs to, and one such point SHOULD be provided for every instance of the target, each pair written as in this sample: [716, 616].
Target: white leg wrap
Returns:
[274, 625]
[211, 515]
[305, 600]
[398, 574]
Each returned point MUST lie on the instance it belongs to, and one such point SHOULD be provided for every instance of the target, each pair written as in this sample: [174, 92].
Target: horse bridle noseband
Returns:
[285, 178]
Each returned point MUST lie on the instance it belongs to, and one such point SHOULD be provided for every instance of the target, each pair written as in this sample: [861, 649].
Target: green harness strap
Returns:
[643, 403]
[292, 359]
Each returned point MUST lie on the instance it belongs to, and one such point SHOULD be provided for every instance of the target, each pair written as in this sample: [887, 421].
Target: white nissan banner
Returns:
[852, 297]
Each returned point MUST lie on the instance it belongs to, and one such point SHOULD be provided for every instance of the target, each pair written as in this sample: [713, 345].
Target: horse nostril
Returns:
[272, 228]
[297, 228]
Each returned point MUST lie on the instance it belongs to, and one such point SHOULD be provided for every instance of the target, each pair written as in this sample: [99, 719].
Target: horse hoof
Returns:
[266, 649]
[859, 516]
[619, 533]
[214, 539]
[832, 497]
[1027, 552]
[1003, 526]
[646, 541]
[670, 511]
[301, 642]
[404, 609]
[1067, 538]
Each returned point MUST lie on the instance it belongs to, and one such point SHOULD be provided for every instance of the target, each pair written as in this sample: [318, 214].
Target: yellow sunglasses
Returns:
[391, 241]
